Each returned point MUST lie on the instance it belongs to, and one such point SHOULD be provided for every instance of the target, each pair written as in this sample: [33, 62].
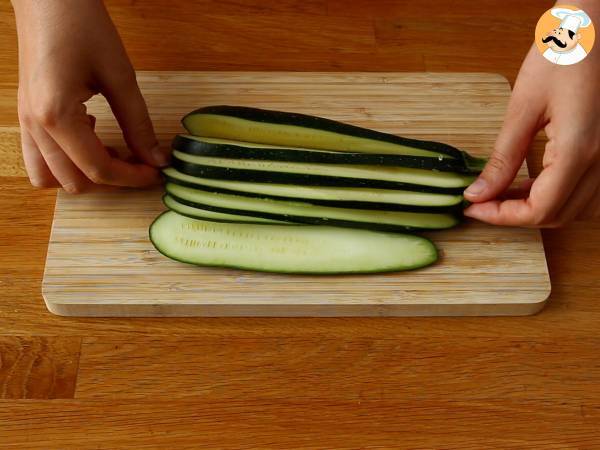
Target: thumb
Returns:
[520, 126]
[128, 106]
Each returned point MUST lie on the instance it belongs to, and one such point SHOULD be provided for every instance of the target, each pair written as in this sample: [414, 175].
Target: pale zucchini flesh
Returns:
[288, 248]
[304, 212]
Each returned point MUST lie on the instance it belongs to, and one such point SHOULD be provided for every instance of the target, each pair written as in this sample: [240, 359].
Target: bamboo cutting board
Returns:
[101, 263]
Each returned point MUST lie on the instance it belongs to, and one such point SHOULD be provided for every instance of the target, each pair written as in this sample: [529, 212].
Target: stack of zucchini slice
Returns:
[244, 179]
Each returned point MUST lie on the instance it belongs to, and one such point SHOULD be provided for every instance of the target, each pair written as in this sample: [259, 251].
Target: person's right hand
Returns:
[69, 50]
[565, 101]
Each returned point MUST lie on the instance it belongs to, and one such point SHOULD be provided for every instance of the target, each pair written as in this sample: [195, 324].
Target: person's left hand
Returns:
[69, 51]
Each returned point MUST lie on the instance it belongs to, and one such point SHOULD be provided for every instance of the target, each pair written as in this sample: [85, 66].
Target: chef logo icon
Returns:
[565, 35]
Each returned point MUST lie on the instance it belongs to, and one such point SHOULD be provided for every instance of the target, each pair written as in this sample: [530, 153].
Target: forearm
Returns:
[60, 15]
[23, 6]
[55, 30]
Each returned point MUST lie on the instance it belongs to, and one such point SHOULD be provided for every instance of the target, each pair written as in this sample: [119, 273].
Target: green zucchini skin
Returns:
[453, 209]
[307, 219]
[195, 146]
[470, 163]
[323, 250]
[263, 176]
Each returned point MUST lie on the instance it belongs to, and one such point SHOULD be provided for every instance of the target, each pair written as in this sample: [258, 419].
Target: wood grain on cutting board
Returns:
[101, 263]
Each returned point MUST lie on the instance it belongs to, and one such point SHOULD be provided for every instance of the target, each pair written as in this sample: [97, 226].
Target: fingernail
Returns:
[161, 158]
[477, 187]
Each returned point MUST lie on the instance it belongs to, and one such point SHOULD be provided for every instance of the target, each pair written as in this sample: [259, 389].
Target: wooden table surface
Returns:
[529, 382]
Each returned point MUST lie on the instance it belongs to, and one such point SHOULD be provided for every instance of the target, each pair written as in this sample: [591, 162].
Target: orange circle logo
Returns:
[565, 35]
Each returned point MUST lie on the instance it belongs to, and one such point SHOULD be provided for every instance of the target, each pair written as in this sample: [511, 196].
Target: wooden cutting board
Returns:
[101, 263]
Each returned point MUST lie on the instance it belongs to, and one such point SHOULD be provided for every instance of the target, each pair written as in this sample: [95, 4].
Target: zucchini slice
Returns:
[303, 212]
[288, 249]
[316, 192]
[226, 148]
[198, 213]
[301, 130]
[340, 197]
[384, 177]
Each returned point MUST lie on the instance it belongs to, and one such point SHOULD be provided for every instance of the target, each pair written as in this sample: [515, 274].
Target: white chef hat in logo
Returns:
[572, 20]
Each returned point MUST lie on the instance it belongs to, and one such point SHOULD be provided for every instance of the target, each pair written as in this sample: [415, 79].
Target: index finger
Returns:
[549, 192]
[79, 141]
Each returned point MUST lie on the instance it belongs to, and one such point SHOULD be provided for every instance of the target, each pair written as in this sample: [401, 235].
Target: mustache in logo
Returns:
[556, 41]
